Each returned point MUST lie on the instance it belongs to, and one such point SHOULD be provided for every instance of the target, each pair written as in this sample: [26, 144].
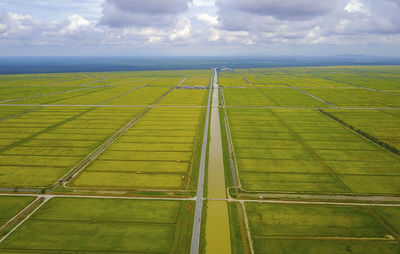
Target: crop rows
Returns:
[384, 125]
[282, 228]
[305, 151]
[357, 98]
[269, 97]
[39, 147]
[103, 226]
[158, 152]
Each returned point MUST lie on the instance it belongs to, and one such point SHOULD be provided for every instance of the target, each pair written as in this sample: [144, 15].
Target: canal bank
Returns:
[217, 222]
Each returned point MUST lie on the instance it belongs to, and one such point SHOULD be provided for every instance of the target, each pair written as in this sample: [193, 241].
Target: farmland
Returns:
[136, 226]
[280, 228]
[10, 206]
[308, 151]
[120, 133]
[277, 160]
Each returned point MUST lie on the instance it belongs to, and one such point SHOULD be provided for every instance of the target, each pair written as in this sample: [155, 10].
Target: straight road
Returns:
[200, 187]
[101, 105]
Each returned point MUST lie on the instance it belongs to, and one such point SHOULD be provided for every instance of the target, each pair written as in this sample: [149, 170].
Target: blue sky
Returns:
[199, 27]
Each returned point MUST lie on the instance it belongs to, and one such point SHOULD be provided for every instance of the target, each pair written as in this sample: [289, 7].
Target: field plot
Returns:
[104, 226]
[196, 78]
[186, 97]
[269, 97]
[9, 112]
[375, 77]
[383, 125]
[41, 146]
[16, 87]
[282, 228]
[297, 77]
[232, 79]
[283, 150]
[10, 206]
[159, 152]
[357, 98]
[139, 96]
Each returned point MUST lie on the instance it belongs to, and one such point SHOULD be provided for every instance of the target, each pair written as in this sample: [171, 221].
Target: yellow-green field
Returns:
[110, 162]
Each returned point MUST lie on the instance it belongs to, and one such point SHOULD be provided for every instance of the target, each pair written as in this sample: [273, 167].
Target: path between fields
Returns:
[41, 95]
[192, 106]
[293, 107]
[100, 105]
[44, 201]
[194, 249]
[49, 196]
[70, 175]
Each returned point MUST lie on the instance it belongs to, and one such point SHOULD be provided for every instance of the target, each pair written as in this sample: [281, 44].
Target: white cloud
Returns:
[215, 35]
[154, 39]
[276, 22]
[204, 3]
[208, 19]
[3, 27]
[356, 6]
[182, 31]
[76, 22]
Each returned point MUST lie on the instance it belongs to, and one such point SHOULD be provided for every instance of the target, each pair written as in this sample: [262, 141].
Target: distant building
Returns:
[225, 69]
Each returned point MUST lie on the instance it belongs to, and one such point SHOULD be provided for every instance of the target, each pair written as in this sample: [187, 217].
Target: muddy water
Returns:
[217, 228]
[216, 176]
[217, 224]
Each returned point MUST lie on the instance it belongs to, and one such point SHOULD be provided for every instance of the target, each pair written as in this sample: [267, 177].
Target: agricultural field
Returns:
[281, 228]
[286, 150]
[308, 141]
[278, 160]
[48, 129]
[40, 146]
[104, 226]
[381, 124]
[158, 152]
[10, 206]
[299, 139]
[269, 97]
[100, 133]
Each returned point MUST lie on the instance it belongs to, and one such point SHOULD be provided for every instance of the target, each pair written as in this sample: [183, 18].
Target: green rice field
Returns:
[11, 206]
[110, 162]
[104, 226]
[282, 228]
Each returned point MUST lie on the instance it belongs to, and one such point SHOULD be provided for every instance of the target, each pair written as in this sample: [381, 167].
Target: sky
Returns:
[199, 27]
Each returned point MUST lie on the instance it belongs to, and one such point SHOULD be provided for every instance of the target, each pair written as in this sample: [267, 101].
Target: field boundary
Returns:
[232, 157]
[41, 95]
[312, 96]
[197, 221]
[363, 134]
[44, 201]
[73, 173]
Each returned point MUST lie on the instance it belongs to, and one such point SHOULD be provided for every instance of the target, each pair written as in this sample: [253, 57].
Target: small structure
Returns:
[225, 69]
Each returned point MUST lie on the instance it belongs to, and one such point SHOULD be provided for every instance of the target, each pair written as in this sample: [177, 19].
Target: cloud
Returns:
[289, 9]
[26, 30]
[296, 22]
[208, 19]
[182, 30]
[356, 6]
[218, 25]
[18, 26]
[204, 3]
[76, 22]
[139, 13]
